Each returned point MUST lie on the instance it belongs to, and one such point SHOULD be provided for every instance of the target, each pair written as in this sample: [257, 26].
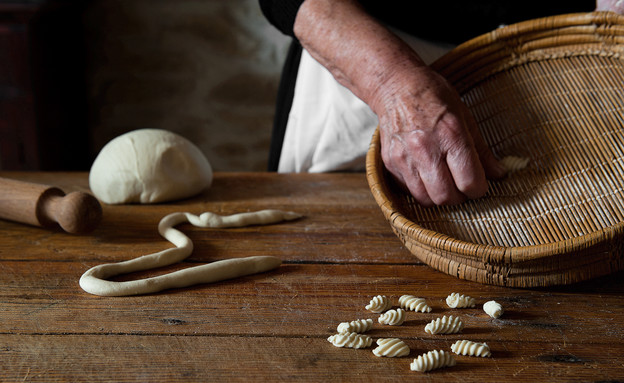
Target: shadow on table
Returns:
[608, 284]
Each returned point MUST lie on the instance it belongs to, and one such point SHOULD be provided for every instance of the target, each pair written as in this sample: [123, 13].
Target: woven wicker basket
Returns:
[551, 90]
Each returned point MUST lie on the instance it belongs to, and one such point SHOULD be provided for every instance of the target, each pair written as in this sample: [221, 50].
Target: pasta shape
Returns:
[391, 348]
[432, 360]
[467, 347]
[444, 325]
[351, 340]
[379, 304]
[459, 301]
[514, 163]
[410, 302]
[358, 326]
[393, 317]
[493, 309]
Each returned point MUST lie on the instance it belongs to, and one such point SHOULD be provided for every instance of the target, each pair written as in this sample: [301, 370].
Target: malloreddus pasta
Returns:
[432, 360]
[445, 325]
[391, 348]
[413, 303]
[460, 301]
[379, 304]
[358, 326]
[467, 347]
[392, 317]
[349, 332]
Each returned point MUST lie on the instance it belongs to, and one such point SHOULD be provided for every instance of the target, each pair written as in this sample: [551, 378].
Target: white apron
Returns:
[329, 128]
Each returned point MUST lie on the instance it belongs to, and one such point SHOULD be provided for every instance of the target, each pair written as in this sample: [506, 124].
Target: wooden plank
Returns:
[301, 299]
[48, 358]
[342, 223]
[318, 237]
[274, 326]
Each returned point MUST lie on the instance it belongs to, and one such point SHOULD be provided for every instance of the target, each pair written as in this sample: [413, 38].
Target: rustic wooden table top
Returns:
[274, 326]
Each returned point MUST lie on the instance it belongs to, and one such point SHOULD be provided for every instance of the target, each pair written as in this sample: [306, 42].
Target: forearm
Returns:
[429, 140]
[361, 54]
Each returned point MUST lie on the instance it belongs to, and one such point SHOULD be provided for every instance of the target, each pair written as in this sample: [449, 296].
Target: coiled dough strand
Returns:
[359, 326]
[432, 360]
[467, 347]
[445, 325]
[94, 280]
[493, 309]
[391, 348]
[379, 304]
[410, 302]
[459, 301]
[393, 317]
[351, 340]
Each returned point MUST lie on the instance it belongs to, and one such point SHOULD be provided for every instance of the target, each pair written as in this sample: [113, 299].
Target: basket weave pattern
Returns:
[551, 90]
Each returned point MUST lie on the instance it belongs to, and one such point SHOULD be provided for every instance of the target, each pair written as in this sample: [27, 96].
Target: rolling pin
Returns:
[48, 206]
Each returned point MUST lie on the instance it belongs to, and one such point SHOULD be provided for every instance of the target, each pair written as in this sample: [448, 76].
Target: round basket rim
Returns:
[470, 63]
[446, 243]
[519, 39]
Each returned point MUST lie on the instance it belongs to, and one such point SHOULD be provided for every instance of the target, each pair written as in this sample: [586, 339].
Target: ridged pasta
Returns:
[410, 302]
[393, 317]
[467, 347]
[444, 325]
[351, 340]
[379, 304]
[432, 360]
[514, 163]
[459, 301]
[493, 309]
[358, 326]
[391, 348]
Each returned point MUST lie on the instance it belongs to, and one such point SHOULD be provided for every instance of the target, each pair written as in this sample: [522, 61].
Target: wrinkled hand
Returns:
[616, 6]
[430, 142]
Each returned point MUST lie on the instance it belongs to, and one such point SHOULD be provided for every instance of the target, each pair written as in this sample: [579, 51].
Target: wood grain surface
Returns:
[274, 326]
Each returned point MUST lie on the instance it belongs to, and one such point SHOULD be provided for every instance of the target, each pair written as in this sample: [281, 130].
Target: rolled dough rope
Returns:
[94, 280]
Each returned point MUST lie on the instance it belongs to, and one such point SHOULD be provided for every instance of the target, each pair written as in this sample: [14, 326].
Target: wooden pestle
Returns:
[48, 206]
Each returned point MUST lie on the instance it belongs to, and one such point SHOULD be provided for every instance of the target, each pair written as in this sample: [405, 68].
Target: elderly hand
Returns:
[430, 142]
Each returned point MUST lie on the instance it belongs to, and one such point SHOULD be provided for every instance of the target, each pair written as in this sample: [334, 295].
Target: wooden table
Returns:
[274, 326]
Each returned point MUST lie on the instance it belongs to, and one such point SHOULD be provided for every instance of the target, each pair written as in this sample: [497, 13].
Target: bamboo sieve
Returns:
[552, 90]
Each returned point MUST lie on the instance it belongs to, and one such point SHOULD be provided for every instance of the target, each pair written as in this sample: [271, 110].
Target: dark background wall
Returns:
[206, 69]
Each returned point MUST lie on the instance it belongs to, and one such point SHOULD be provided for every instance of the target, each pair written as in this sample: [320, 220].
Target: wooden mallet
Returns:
[48, 206]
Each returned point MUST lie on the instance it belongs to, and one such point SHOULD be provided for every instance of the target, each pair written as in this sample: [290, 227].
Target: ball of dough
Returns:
[149, 166]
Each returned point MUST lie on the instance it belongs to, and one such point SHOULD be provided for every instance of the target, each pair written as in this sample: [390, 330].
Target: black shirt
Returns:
[452, 21]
